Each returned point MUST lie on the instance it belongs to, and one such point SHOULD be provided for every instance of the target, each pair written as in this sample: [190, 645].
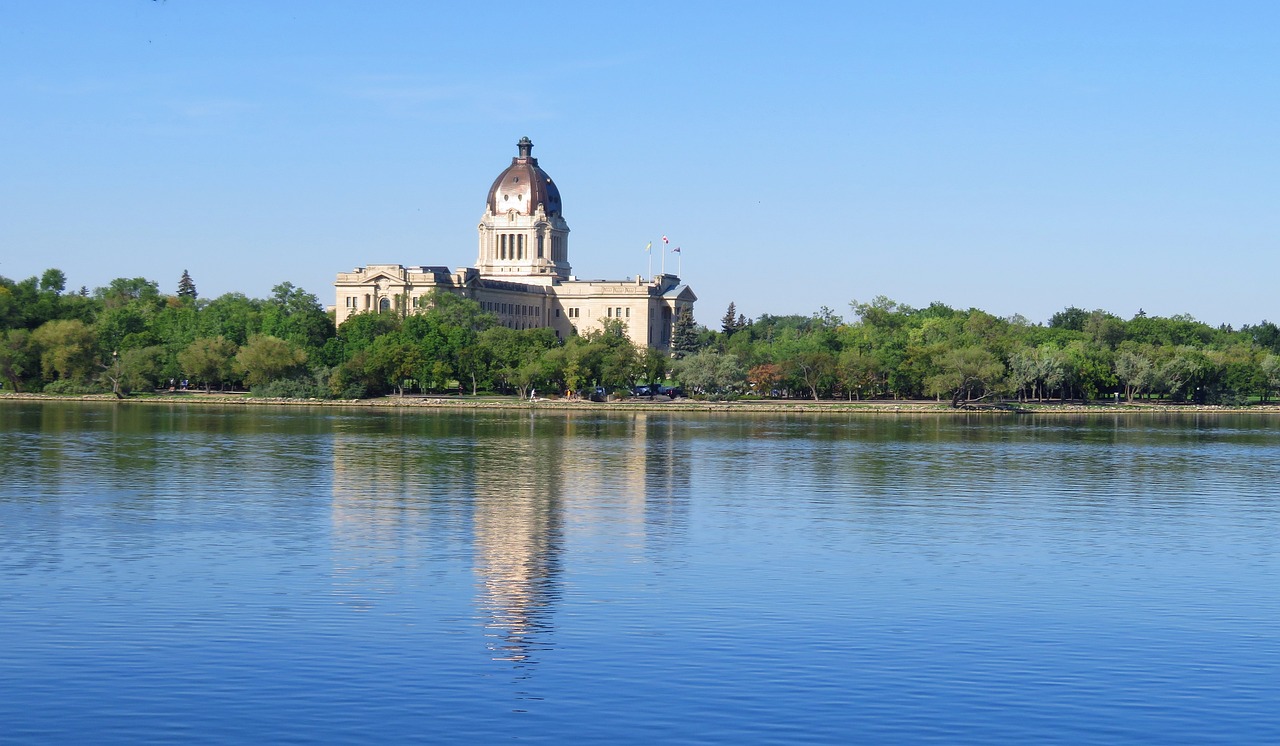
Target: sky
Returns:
[1010, 156]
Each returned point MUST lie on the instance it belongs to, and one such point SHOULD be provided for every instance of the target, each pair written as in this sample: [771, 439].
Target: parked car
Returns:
[675, 392]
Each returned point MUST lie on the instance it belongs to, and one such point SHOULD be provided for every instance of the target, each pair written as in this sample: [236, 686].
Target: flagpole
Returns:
[664, 254]
[679, 263]
[649, 251]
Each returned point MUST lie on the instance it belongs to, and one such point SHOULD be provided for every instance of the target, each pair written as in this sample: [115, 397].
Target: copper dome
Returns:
[523, 186]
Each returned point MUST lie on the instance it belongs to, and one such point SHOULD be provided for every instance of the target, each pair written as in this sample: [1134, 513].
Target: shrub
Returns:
[67, 387]
[289, 388]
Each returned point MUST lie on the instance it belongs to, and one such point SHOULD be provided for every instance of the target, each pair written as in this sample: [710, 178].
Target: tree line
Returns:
[129, 336]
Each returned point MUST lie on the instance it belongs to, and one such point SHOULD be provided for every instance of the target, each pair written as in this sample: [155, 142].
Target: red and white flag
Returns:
[664, 240]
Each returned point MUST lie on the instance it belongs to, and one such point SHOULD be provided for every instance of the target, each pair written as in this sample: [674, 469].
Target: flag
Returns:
[649, 248]
[665, 241]
[676, 250]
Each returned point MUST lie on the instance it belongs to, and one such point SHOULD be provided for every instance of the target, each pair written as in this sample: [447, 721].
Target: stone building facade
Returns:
[522, 273]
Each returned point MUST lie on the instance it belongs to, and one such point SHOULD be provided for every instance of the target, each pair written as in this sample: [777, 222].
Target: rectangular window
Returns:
[628, 313]
[610, 313]
[619, 314]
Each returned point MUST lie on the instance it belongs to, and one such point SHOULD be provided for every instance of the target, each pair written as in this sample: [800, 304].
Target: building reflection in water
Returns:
[519, 487]
[519, 537]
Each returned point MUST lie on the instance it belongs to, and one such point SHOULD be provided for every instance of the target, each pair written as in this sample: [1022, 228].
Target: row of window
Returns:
[512, 309]
[511, 246]
[384, 303]
[619, 312]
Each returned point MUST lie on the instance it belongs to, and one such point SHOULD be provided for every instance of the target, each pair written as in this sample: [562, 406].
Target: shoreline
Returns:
[681, 405]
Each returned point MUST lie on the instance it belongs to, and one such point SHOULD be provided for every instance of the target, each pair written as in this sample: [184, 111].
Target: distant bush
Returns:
[65, 387]
[289, 388]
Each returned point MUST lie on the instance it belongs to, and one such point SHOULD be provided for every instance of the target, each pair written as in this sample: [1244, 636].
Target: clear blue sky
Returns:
[1017, 157]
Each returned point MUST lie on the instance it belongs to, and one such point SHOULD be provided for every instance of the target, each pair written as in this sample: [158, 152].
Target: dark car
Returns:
[675, 392]
[645, 390]
[594, 394]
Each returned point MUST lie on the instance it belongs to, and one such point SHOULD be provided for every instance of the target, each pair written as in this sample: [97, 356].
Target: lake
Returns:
[180, 573]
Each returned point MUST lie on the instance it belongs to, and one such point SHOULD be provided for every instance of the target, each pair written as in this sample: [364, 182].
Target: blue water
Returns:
[303, 575]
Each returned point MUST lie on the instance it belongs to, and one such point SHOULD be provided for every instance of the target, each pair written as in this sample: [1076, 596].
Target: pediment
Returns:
[681, 293]
[384, 277]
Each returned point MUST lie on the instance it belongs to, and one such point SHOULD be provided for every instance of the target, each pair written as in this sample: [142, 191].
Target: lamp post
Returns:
[115, 373]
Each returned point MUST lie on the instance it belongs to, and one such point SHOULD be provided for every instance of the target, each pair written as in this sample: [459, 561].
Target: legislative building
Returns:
[522, 274]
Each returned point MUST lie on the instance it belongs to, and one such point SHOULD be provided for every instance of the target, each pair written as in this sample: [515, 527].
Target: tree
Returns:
[966, 372]
[764, 378]
[858, 370]
[684, 335]
[653, 365]
[393, 359]
[729, 324]
[1134, 372]
[514, 357]
[711, 372]
[134, 369]
[234, 316]
[186, 287]
[295, 315]
[209, 360]
[18, 356]
[1070, 318]
[53, 281]
[1271, 369]
[66, 349]
[1104, 329]
[266, 358]
[123, 290]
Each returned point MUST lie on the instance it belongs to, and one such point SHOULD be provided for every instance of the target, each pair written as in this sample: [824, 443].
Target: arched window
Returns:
[384, 304]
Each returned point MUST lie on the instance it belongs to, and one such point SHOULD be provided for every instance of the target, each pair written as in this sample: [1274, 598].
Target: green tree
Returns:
[858, 371]
[209, 360]
[125, 290]
[729, 324]
[1271, 369]
[53, 281]
[67, 349]
[295, 315]
[684, 334]
[1070, 318]
[186, 287]
[711, 372]
[967, 373]
[1133, 371]
[393, 360]
[266, 358]
[653, 365]
[134, 370]
[18, 357]
[515, 357]
[232, 315]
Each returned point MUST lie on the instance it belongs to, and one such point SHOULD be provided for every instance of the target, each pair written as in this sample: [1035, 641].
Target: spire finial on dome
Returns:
[526, 147]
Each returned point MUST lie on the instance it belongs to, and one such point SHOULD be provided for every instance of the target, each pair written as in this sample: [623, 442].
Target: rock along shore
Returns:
[640, 404]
